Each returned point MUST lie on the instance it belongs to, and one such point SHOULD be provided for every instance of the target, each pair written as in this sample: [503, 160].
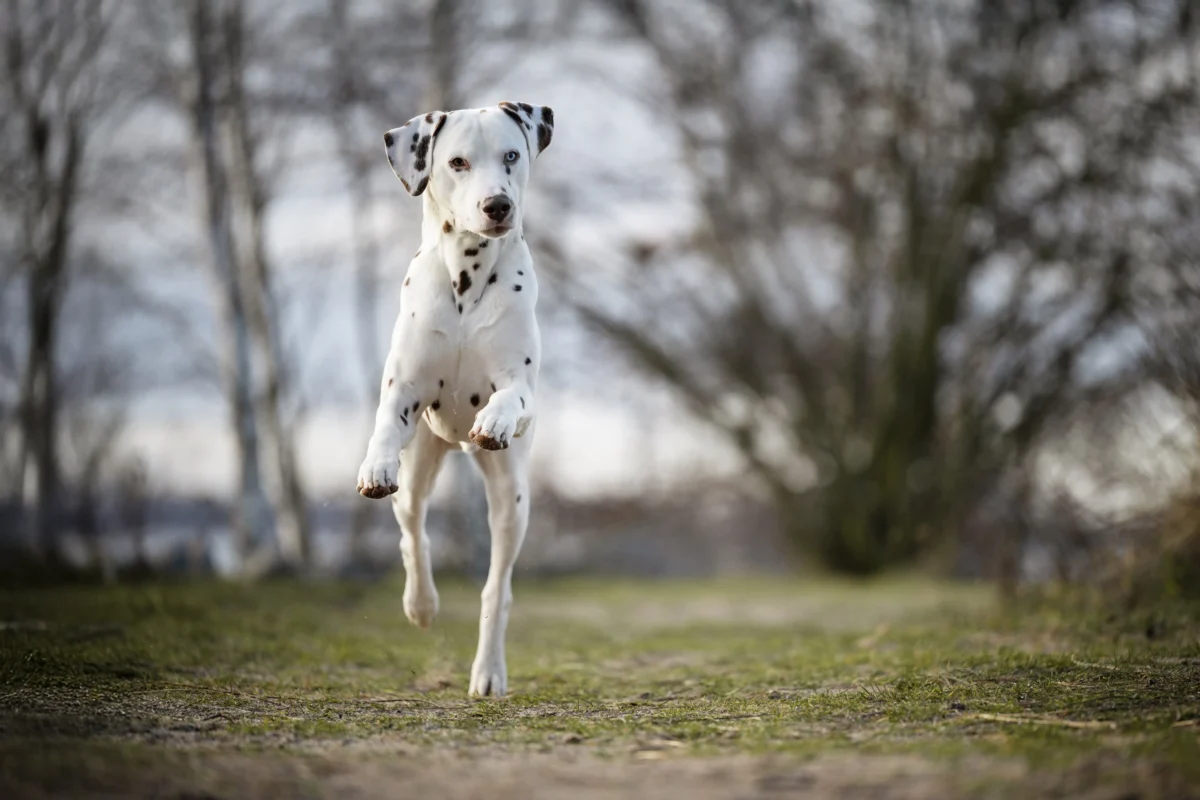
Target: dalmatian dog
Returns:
[463, 364]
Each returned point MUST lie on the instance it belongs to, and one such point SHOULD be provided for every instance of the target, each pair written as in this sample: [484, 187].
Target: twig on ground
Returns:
[1032, 719]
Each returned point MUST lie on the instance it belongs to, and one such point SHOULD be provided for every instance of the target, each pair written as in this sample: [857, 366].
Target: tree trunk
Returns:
[39, 407]
[468, 514]
[252, 515]
[444, 48]
[365, 250]
[47, 232]
[254, 274]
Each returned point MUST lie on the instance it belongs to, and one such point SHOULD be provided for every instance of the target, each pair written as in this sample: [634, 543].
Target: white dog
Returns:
[463, 364]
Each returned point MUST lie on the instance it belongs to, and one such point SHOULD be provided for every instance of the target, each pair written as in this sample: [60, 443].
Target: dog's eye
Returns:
[459, 163]
[511, 156]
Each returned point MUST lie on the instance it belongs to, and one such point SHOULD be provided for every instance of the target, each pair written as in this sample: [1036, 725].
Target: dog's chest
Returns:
[462, 309]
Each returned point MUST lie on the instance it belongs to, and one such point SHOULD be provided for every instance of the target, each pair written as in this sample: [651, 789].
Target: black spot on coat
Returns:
[422, 152]
[513, 115]
[475, 400]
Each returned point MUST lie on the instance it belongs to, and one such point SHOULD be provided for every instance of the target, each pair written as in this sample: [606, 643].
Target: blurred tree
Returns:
[467, 527]
[373, 77]
[228, 123]
[920, 229]
[251, 169]
[55, 84]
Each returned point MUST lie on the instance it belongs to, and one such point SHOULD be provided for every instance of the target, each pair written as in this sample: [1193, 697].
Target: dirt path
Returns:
[580, 776]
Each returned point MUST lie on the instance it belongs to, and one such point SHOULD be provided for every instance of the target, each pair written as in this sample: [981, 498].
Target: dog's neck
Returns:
[470, 259]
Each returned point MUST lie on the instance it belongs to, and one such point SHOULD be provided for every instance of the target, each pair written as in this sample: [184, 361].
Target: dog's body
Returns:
[463, 364]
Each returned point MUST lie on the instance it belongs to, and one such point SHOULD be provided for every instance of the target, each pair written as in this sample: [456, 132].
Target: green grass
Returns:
[906, 667]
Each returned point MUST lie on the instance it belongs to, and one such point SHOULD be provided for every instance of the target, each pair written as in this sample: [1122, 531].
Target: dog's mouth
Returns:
[496, 231]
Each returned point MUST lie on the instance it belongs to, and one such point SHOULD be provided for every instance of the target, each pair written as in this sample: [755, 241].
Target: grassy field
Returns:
[744, 688]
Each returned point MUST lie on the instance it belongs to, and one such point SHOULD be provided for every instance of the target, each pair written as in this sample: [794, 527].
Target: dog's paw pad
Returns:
[488, 442]
[377, 492]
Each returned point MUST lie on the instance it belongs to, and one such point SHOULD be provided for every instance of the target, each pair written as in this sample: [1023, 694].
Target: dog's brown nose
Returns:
[497, 207]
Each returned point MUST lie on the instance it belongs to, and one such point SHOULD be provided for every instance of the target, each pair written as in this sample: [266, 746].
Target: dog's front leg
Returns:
[396, 420]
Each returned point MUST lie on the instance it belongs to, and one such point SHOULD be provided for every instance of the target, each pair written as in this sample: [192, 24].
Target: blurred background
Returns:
[843, 285]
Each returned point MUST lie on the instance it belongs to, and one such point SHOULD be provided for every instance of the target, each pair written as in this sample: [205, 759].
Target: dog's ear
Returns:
[536, 122]
[410, 149]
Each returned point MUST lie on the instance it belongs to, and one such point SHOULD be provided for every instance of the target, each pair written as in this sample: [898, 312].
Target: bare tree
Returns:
[229, 124]
[53, 83]
[199, 86]
[362, 100]
[861, 183]
[252, 194]
[467, 515]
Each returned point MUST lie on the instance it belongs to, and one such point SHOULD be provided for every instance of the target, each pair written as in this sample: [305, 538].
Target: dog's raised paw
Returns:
[377, 479]
[492, 429]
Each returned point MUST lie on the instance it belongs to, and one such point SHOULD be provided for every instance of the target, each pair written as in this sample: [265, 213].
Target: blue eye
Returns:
[511, 156]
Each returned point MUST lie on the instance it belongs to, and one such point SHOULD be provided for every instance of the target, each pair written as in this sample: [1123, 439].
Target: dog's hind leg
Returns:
[506, 478]
[419, 464]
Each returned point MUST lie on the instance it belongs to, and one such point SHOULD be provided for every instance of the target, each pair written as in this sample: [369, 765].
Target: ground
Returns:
[740, 688]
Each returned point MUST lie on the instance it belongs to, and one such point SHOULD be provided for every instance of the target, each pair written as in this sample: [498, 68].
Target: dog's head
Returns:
[475, 162]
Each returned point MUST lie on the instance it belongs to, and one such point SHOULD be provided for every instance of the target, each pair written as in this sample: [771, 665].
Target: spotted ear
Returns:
[536, 122]
[410, 149]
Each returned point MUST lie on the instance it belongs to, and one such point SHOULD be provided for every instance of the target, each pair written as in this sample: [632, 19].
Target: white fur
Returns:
[453, 345]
